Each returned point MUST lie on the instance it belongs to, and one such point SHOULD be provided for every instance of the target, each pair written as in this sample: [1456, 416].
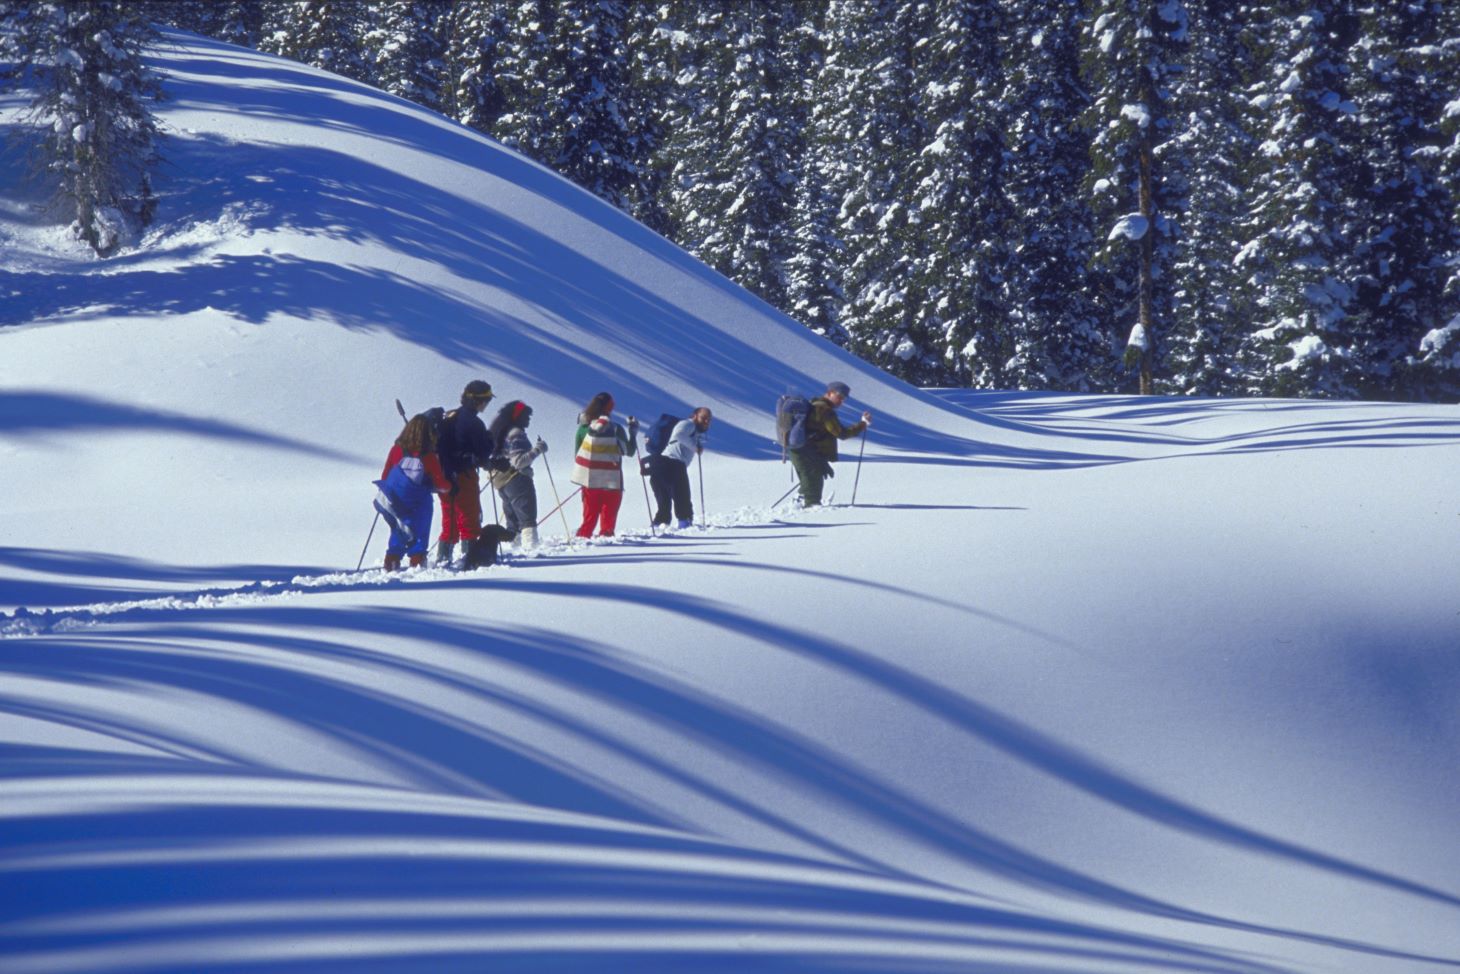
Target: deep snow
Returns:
[1079, 684]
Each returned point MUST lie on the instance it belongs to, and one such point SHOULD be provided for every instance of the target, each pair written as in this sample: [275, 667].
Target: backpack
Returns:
[441, 425]
[792, 412]
[659, 433]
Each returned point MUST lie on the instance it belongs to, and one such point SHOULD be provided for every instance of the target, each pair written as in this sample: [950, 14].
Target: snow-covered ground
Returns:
[1078, 684]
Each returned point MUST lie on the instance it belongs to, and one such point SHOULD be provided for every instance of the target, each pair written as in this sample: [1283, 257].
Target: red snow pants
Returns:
[600, 507]
[461, 510]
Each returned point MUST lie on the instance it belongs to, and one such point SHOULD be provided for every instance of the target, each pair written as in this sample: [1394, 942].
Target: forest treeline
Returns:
[1206, 197]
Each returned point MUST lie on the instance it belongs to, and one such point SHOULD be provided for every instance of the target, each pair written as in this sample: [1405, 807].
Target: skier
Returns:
[465, 445]
[823, 428]
[669, 471]
[511, 474]
[598, 465]
[412, 474]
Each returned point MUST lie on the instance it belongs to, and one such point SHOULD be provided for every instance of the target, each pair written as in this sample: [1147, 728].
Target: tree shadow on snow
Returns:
[461, 709]
[37, 413]
[281, 848]
[71, 569]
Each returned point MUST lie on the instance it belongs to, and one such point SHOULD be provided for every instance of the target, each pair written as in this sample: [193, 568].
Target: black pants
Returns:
[670, 480]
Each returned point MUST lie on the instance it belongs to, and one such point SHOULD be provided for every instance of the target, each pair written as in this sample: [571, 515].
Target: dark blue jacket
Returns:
[466, 444]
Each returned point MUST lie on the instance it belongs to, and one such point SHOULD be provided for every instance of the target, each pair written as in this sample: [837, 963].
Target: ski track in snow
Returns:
[24, 621]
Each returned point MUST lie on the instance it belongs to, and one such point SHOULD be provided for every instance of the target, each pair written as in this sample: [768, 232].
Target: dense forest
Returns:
[1205, 197]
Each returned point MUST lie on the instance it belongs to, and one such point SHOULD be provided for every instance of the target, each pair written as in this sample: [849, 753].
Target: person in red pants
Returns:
[465, 445]
[598, 466]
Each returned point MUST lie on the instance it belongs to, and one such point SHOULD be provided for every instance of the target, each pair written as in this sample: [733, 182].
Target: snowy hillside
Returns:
[1078, 685]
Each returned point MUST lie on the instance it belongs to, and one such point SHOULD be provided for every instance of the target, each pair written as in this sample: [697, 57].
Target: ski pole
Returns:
[644, 482]
[700, 463]
[361, 562]
[559, 507]
[785, 495]
[857, 479]
[371, 536]
[567, 532]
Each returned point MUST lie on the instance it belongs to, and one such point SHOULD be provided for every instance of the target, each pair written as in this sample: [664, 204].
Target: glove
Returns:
[867, 419]
[633, 426]
[541, 447]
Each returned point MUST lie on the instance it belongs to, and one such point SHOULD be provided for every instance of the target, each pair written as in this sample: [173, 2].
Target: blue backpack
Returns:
[791, 415]
[659, 433]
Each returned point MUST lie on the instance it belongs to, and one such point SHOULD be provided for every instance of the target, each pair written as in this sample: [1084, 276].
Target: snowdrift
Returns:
[1078, 685]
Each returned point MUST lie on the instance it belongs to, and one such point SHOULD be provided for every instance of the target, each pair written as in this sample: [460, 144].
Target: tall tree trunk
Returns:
[1147, 282]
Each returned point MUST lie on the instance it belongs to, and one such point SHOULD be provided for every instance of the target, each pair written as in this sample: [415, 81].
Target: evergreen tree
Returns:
[1301, 241]
[1210, 303]
[1402, 209]
[877, 121]
[1133, 48]
[732, 142]
[1053, 328]
[97, 136]
[650, 94]
[238, 22]
[565, 78]
[813, 270]
[325, 34]
[1438, 370]
[476, 31]
[407, 48]
[958, 319]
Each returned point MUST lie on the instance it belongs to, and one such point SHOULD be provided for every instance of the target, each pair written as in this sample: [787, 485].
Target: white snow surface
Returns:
[1079, 684]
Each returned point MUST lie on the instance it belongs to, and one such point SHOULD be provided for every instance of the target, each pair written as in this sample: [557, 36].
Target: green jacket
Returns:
[823, 429]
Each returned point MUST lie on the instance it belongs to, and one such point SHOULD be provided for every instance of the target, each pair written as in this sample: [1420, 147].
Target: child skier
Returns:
[512, 470]
[412, 475]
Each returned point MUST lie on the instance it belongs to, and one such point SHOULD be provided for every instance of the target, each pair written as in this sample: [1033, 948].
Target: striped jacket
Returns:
[602, 445]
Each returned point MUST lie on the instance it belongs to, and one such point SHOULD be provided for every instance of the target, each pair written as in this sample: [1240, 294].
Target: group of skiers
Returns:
[439, 455]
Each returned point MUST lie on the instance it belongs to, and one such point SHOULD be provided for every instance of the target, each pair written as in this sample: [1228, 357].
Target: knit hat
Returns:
[478, 390]
[840, 387]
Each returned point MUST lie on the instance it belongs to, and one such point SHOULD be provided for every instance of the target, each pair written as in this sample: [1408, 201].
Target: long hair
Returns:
[418, 438]
[599, 405]
[506, 418]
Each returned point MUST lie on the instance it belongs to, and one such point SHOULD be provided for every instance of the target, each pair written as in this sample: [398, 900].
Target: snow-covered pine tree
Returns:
[526, 69]
[1211, 306]
[1053, 327]
[651, 86]
[1132, 50]
[813, 270]
[731, 142]
[238, 22]
[406, 46]
[1438, 367]
[589, 100]
[1404, 230]
[563, 71]
[1298, 257]
[765, 132]
[689, 44]
[877, 120]
[957, 316]
[97, 136]
[13, 14]
[475, 32]
[325, 34]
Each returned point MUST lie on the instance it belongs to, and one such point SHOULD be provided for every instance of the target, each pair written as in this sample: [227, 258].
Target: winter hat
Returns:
[478, 390]
[840, 387]
[518, 408]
